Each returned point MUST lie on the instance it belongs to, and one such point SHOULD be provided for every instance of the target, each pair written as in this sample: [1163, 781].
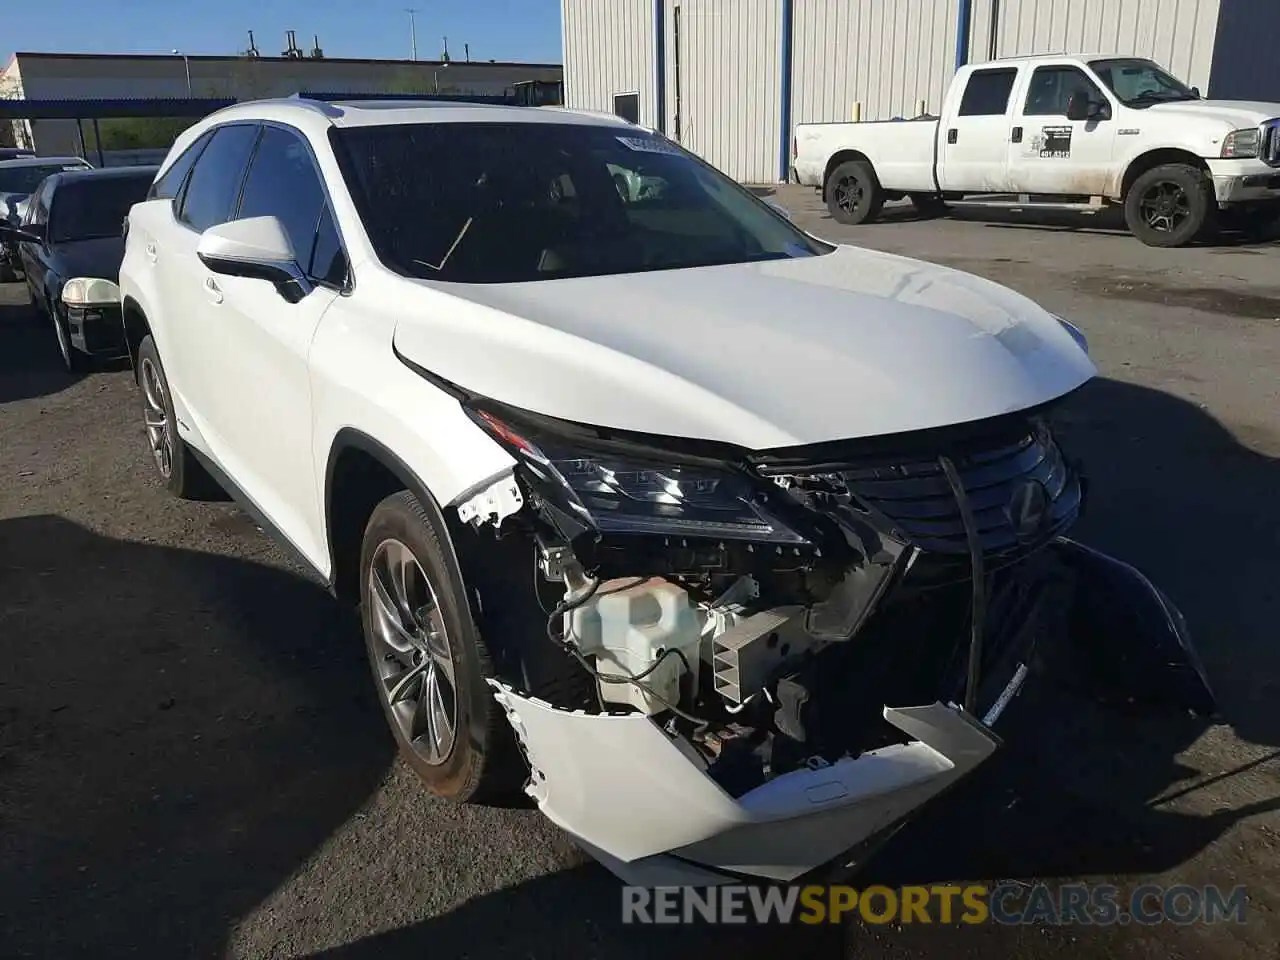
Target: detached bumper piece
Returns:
[641, 804]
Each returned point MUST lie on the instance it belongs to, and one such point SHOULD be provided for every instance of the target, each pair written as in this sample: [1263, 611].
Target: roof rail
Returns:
[330, 97]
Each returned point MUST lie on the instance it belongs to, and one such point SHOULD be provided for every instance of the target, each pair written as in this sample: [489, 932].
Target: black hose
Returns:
[977, 620]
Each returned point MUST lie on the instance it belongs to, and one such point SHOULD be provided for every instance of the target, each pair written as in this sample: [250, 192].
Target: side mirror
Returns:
[779, 208]
[1078, 107]
[256, 248]
[81, 292]
[31, 233]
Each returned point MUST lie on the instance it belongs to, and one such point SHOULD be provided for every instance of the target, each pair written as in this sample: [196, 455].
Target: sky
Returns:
[527, 30]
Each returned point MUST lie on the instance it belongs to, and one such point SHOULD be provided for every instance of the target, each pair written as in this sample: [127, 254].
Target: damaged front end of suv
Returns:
[792, 651]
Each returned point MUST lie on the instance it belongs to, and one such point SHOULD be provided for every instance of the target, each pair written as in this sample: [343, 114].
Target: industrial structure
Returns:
[729, 79]
[249, 75]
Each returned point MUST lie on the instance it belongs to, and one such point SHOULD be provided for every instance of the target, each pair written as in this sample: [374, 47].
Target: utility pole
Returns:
[413, 33]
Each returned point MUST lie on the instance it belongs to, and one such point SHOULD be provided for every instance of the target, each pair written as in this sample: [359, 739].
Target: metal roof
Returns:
[101, 109]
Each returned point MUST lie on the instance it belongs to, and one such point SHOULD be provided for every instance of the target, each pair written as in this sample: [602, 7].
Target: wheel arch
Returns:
[839, 157]
[136, 328]
[1157, 157]
[360, 472]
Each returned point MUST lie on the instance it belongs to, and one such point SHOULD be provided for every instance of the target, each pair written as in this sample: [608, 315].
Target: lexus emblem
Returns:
[1028, 510]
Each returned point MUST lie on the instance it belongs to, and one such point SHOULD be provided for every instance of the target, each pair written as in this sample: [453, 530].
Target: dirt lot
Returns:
[192, 762]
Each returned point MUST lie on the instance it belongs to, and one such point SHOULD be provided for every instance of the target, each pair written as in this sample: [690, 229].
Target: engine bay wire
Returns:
[637, 680]
[977, 621]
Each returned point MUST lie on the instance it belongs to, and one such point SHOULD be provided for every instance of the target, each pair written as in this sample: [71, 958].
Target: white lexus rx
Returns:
[730, 546]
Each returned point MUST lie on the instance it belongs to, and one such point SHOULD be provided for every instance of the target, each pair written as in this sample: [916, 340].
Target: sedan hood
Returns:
[779, 353]
[98, 257]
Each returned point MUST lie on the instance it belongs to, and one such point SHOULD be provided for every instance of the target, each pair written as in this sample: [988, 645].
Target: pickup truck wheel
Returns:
[1169, 206]
[853, 193]
[181, 472]
[429, 661]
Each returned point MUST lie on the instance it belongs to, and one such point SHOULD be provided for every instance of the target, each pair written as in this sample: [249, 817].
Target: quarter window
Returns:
[328, 262]
[1052, 88]
[167, 186]
[210, 195]
[987, 93]
[283, 183]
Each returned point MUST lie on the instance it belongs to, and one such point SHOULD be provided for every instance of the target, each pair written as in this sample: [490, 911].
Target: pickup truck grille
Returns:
[1269, 142]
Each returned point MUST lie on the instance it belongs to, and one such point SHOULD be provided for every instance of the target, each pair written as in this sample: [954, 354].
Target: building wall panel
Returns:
[609, 49]
[884, 55]
[1179, 34]
[730, 87]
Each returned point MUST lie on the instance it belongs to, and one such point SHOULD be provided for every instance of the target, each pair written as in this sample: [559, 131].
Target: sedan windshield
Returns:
[23, 178]
[512, 202]
[95, 206]
[1140, 83]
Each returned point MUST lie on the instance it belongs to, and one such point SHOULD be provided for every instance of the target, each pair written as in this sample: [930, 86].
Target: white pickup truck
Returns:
[1062, 132]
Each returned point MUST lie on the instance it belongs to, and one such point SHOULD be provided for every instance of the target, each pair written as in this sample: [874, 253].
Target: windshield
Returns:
[512, 202]
[94, 207]
[23, 178]
[1139, 83]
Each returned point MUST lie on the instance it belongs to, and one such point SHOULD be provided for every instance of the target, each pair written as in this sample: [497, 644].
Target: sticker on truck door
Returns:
[1052, 143]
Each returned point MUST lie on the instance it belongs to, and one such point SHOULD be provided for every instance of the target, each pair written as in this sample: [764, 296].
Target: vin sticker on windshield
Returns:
[649, 145]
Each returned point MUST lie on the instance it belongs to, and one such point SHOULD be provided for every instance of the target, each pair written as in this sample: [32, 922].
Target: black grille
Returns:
[916, 498]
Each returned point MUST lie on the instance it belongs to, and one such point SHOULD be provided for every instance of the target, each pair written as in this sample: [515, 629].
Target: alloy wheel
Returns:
[849, 193]
[156, 414]
[411, 652]
[1165, 206]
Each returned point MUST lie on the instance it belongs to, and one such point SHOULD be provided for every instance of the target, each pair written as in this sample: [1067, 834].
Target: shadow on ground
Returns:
[181, 731]
[178, 733]
[30, 365]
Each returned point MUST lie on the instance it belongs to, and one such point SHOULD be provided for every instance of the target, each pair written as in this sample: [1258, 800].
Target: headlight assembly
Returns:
[1240, 144]
[621, 493]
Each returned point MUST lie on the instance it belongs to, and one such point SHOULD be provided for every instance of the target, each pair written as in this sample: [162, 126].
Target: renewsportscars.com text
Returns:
[1007, 903]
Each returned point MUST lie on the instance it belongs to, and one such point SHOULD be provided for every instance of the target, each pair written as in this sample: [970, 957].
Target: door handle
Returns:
[1017, 135]
[952, 135]
[212, 290]
[150, 251]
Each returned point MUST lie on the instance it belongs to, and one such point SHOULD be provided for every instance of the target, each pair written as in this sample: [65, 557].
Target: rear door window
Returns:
[987, 92]
[170, 183]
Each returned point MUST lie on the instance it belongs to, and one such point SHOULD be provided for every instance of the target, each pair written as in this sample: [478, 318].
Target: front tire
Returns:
[179, 470]
[853, 193]
[429, 662]
[1170, 205]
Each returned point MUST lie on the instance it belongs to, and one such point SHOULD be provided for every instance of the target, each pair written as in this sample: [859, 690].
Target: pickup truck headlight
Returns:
[627, 493]
[1240, 144]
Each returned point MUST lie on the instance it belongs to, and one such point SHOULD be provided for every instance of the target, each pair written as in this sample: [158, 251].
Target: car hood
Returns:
[98, 257]
[1236, 114]
[850, 344]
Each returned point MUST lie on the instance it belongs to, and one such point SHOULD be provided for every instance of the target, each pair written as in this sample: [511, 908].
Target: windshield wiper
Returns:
[1153, 97]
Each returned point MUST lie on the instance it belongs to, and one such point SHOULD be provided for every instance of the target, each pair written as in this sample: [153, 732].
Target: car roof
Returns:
[106, 173]
[316, 117]
[40, 161]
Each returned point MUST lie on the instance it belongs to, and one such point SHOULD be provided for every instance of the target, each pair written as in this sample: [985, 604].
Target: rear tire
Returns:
[853, 193]
[1170, 205]
[179, 470]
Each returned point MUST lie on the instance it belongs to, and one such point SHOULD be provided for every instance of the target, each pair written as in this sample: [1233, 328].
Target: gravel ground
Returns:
[192, 763]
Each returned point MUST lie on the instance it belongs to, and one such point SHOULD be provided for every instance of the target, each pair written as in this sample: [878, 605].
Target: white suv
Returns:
[651, 500]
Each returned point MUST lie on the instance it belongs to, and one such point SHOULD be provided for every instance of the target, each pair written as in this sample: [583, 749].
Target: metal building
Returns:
[730, 78]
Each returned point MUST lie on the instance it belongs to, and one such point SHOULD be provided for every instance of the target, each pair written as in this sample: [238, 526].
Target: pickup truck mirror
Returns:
[1078, 107]
[256, 248]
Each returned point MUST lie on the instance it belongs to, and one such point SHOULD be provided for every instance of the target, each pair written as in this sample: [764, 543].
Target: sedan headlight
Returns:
[1240, 144]
[618, 492]
[90, 292]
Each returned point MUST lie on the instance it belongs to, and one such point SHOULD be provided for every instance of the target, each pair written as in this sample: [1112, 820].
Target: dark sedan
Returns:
[74, 228]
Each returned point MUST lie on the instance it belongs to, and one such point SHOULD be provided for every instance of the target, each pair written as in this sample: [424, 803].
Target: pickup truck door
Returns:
[973, 135]
[1050, 153]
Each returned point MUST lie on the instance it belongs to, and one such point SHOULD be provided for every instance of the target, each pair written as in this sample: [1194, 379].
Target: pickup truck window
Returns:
[1052, 88]
[514, 202]
[1139, 83]
[987, 93]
